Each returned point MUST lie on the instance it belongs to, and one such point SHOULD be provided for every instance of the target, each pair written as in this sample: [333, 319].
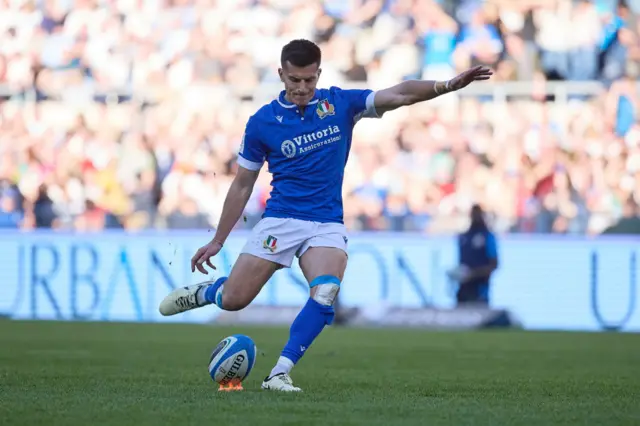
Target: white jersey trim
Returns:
[370, 109]
[283, 105]
[250, 165]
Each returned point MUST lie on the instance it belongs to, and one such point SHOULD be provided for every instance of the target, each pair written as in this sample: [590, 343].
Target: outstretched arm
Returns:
[413, 91]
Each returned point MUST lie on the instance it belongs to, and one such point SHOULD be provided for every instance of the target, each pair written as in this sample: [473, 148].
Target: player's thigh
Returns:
[248, 275]
[318, 261]
[325, 253]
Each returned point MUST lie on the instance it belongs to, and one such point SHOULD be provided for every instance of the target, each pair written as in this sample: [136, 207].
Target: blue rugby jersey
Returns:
[306, 154]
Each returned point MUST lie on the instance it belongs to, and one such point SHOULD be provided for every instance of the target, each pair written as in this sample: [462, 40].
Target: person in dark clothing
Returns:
[478, 259]
[43, 209]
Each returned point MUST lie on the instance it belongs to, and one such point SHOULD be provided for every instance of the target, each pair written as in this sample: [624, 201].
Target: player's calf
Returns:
[225, 297]
[249, 274]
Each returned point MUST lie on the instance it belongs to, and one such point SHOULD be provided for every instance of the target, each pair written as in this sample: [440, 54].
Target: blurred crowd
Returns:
[128, 113]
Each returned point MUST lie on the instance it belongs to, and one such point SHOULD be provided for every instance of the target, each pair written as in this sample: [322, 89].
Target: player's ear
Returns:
[281, 74]
[319, 72]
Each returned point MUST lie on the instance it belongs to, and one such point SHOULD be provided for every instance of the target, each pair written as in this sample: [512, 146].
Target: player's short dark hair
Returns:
[300, 53]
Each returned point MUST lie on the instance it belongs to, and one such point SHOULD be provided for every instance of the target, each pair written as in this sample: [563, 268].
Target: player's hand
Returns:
[204, 255]
[462, 80]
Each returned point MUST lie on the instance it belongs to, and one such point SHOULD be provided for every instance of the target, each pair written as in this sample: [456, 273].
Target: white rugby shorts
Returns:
[279, 240]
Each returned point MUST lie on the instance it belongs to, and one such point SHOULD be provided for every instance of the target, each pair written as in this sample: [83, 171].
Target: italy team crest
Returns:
[325, 108]
[270, 243]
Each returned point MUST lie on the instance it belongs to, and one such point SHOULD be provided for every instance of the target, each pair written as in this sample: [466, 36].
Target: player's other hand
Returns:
[204, 255]
[462, 80]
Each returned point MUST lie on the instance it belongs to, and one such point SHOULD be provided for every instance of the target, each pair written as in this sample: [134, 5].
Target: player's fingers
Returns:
[195, 258]
[482, 73]
[200, 260]
[200, 267]
[482, 76]
[210, 265]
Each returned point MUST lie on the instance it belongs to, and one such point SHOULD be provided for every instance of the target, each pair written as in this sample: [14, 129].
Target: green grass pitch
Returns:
[54, 373]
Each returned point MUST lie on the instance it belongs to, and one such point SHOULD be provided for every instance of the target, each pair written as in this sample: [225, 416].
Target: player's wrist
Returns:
[442, 87]
[218, 240]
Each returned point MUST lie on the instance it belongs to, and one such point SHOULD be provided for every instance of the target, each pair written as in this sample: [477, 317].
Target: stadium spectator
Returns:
[629, 223]
[128, 114]
[11, 216]
[478, 260]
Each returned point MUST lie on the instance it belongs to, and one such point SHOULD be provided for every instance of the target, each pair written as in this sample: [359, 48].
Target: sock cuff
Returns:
[219, 281]
[218, 297]
[319, 306]
[286, 362]
[213, 294]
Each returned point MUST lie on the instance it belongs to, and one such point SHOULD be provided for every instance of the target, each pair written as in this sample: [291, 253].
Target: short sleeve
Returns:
[361, 102]
[252, 152]
[491, 246]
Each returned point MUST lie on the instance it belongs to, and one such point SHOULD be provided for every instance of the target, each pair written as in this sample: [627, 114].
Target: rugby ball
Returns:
[233, 359]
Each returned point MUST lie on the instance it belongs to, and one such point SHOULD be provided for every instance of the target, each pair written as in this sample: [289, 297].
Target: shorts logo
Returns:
[288, 149]
[270, 243]
[325, 108]
[346, 240]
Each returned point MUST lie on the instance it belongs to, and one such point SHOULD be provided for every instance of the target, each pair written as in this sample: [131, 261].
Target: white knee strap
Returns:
[326, 294]
[327, 287]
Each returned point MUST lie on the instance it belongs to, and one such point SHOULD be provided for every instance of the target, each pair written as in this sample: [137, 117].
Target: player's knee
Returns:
[325, 289]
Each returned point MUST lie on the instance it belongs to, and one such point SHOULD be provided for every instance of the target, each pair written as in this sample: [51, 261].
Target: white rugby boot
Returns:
[183, 299]
[280, 382]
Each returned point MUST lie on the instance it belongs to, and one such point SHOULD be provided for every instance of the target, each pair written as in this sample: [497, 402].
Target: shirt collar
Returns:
[286, 104]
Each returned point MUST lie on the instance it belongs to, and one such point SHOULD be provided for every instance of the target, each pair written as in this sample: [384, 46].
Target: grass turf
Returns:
[155, 374]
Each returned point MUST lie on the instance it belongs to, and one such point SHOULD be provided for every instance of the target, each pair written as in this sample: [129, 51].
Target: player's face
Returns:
[299, 82]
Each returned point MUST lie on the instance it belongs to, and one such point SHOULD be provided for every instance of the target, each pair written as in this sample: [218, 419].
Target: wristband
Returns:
[446, 87]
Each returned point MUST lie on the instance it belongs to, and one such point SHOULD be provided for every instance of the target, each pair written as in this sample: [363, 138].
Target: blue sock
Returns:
[306, 327]
[211, 293]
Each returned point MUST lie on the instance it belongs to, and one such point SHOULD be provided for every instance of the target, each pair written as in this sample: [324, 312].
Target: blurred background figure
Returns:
[478, 260]
[629, 223]
[129, 114]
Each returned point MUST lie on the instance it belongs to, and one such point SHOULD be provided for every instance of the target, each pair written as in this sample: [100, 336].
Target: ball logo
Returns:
[288, 149]
[233, 371]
